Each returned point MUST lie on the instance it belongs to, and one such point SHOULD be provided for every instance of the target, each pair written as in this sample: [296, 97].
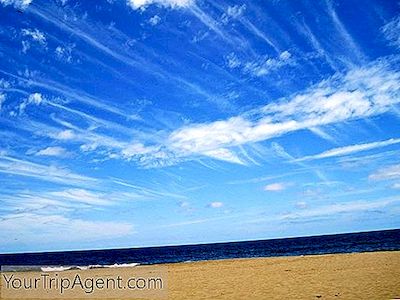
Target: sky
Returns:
[162, 122]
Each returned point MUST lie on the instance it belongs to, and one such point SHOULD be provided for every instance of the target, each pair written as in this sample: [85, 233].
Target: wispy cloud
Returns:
[35, 34]
[66, 134]
[301, 205]
[65, 200]
[2, 100]
[22, 4]
[275, 187]
[35, 99]
[261, 66]
[136, 4]
[346, 36]
[65, 53]
[323, 134]
[225, 155]
[99, 38]
[58, 230]
[391, 32]
[216, 204]
[15, 166]
[82, 196]
[53, 151]
[266, 65]
[341, 151]
[154, 20]
[146, 191]
[67, 92]
[305, 213]
[361, 93]
[333, 209]
[390, 172]
[396, 185]
[233, 12]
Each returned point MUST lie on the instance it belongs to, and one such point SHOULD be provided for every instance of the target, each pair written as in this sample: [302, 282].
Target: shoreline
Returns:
[269, 257]
[135, 265]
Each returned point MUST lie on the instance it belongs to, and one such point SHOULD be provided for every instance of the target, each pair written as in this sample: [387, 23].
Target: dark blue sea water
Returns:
[338, 243]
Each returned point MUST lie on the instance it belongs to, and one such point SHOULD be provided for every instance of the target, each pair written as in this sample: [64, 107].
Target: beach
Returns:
[371, 275]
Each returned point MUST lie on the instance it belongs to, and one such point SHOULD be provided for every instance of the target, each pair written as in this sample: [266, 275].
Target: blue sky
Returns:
[158, 122]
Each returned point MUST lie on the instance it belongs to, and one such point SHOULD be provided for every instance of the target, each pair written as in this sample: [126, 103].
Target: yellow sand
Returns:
[342, 276]
[374, 275]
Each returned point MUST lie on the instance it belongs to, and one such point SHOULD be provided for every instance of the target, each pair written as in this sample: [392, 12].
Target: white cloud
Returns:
[184, 204]
[233, 61]
[233, 12]
[224, 154]
[4, 83]
[64, 53]
[65, 135]
[33, 229]
[66, 200]
[35, 99]
[361, 93]
[215, 204]
[25, 46]
[265, 65]
[154, 20]
[15, 166]
[2, 100]
[136, 4]
[205, 137]
[275, 187]
[330, 210]
[341, 151]
[136, 149]
[16, 3]
[396, 185]
[356, 206]
[322, 134]
[147, 156]
[301, 205]
[236, 10]
[261, 66]
[35, 34]
[82, 196]
[392, 31]
[285, 55]
[52, 151]
[385, 173]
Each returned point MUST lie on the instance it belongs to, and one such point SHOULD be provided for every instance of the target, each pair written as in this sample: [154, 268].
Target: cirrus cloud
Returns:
[141, 4]
[215, 204]
[275, 187]
[52, 151]
[22, 4]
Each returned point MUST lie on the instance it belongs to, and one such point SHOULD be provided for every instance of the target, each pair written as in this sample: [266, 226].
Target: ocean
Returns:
[386, 240]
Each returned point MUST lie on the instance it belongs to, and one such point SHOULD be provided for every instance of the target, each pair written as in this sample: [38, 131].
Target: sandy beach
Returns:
[374, 275]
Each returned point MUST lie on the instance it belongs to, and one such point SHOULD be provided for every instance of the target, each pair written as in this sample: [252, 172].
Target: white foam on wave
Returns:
[122, 265]
[89, 267]
[55, 269]
[65, 268]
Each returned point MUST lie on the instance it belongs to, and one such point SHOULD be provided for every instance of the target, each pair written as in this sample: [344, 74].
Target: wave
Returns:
[55, 269]
[82, 268]
[130, 265]
[63, 268]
